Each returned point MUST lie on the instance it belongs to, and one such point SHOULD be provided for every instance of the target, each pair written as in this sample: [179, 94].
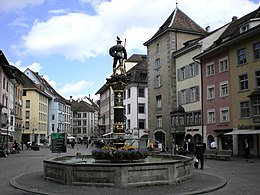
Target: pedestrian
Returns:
[199, 153]
[246, 149]
[213, 145]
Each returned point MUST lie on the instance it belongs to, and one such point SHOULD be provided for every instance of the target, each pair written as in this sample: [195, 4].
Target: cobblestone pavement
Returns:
[242, 177]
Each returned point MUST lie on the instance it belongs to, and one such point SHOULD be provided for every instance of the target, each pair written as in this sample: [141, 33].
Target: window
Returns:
[157, 47]
[129, 93]
[211, 92]
[256, 51]
[257, 78]
[244, 28]
[182, 96]
[79, 115]
[27, 125]
[27, 114]
[84, 115]
[158, 81]
[128, 108]
[243, 82]
[223, 65]
[141, 92]
[244, 109]
[157, 63]
[141, 108]
[224, 115]
[53, 117]
[211, 116]
[224, 89]
[256, 107]
[192, 68]
[158, 121]
[4, 83]
[158, 101]
[241, 56]
[141, 123]
[193, 94]
[197, 116]
[79, 123]
[128, 124]
[210, 69]
[84, 130]
[27, 103]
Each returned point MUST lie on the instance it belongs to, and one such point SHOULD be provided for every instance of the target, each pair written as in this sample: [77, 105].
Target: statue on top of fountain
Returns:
[118, 52]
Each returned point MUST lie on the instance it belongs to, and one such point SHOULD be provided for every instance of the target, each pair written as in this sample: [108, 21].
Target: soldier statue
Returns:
[118, 52]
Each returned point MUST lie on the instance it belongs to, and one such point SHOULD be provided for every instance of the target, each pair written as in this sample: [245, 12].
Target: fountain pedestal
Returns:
[118, 83]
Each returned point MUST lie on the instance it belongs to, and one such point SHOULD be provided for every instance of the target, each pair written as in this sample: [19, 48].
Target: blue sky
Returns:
[67, 41]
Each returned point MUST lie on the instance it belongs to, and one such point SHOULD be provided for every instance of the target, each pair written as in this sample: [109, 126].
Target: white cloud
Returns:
[52, 83]
[35, 66]
[74, 88]
[81, 36]
[14, 5]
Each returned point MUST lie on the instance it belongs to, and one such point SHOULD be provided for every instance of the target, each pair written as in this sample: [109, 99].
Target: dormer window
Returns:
[244, 28]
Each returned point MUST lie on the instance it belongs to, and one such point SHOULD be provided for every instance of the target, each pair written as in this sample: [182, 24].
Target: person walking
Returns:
[246, 149]
[199, 153]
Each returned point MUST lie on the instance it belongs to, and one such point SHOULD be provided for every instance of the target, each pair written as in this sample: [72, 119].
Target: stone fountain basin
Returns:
[156, 170]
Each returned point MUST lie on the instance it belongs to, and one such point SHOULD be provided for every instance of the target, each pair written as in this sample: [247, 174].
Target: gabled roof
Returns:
[233, 29]
[3, 59]
[232, 35]
[48, 87]
[178, 21]
[136, 58]
[139, 71]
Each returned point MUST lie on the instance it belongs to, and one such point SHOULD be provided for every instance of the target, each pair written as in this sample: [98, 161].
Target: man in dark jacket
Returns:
[199, 153]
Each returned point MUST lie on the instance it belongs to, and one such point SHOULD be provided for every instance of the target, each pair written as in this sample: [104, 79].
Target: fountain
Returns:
[118, 165]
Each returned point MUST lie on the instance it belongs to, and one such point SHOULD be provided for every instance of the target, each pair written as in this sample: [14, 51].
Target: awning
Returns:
[3, 133]
[243, 132]
[104, 135]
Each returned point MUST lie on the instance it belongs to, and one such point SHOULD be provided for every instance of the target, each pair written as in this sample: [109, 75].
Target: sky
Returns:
[67, 41]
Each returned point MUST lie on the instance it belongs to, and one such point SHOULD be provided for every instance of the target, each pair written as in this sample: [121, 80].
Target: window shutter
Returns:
[179, 98]
[196, 68]
[187, 71]
[197, 93]
[178, 74]
[161, 61]
[188, 93]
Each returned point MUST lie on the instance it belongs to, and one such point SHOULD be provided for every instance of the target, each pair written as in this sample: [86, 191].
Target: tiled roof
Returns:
[178, 21]
[3, 59]
[232, 33]
[139, 72]
[81, 106]
[136, 58]
[49, 87]
[233, 29]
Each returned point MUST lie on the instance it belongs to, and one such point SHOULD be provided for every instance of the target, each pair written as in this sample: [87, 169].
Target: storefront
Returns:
[238, 137]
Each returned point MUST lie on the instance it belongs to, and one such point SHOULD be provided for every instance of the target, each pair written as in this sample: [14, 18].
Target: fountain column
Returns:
[118, 82]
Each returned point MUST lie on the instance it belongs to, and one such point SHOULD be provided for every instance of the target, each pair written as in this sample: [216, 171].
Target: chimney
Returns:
[234, 18]
[71, 98]
[208, 28]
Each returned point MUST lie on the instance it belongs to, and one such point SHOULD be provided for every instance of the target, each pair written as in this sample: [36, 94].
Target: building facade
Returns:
[162, 97]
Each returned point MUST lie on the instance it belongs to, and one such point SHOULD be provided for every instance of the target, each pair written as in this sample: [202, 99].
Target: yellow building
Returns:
[35, 108]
